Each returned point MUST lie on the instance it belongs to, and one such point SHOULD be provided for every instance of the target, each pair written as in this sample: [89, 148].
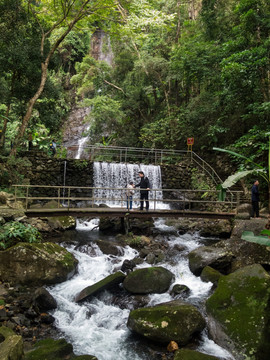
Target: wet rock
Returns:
[109, 248]
[148, 280]
[187, 354]
[11, 346]
[179, 289]
[43, 300]
[238, 313]
[128, 266]
[175, 320]
[210, 274]
[218, 258]
[106, 284]
[36, 264]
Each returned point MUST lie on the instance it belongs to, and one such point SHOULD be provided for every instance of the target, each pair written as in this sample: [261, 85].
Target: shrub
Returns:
[13, 232]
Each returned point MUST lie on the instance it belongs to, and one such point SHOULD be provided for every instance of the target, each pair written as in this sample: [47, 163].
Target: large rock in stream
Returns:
[148, 280]
[239, 313]
[174, 320]
[105, 284]
[11, 345]
[227, 256]
[36, 264]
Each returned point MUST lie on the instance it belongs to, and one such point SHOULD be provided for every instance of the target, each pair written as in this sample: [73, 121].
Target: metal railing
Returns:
[85, 197]
[147, 155]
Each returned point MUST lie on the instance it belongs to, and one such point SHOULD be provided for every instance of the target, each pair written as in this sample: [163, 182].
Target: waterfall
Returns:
[118, 175]
[81, 143]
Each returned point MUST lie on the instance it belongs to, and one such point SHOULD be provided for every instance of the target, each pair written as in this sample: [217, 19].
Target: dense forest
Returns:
[196, 68]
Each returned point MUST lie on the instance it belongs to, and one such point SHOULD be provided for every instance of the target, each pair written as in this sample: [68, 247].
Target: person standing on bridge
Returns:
[255, 198]
[144, 185]
[130, 193]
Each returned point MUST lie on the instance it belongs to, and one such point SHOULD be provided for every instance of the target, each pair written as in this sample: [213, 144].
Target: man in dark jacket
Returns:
[144, 185]
[255, 198]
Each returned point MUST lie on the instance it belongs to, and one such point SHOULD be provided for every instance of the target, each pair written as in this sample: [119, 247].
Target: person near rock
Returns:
[255, 198]
[53, 147]
[144, 185]
[130, 193]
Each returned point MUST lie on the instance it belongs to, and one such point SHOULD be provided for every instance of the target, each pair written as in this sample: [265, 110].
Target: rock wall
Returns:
[58, 172]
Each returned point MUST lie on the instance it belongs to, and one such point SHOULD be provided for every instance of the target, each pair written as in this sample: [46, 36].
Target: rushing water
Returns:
[98, 327]
[117, 175]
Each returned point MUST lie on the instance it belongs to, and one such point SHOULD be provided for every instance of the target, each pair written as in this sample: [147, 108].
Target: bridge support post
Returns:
[126, 224]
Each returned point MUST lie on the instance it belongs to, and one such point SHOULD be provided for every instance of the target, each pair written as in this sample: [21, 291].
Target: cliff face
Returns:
[75, 125]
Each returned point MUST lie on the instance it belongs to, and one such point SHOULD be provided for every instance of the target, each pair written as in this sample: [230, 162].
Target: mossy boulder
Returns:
[105, 284]
[50, 349]
[11, 346]
[148, 280]
[57, 222]
[210, 274]
[175, 320]
[187, 354]
[218, 258]
[36, 264]
[239, 313]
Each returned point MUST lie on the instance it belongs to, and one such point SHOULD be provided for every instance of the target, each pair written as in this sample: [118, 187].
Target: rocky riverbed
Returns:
[237, 269]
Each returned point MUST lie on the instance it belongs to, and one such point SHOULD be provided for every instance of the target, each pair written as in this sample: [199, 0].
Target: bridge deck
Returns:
[121, 212]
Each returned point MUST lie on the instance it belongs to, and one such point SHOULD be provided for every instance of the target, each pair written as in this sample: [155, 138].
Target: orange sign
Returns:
[190, 141]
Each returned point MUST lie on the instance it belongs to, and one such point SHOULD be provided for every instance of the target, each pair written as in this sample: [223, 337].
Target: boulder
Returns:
[254, 225]
[206, 227]
[55, 223]
[148, 280]
[180, 290]
[11, 346]
[210, 274]
[175, 320]
[218, 258]
[105, 284]
[36, 264]
[187, 354]
[239, 313]
[50, 349]
[44, 300]
[109, 248]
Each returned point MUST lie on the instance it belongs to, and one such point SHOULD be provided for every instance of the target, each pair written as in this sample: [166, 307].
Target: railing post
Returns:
[93, 197]
[155, 199]
[15, 193]
[161, 156]
[126, 155]
[27, 194]
[237, 199]
[68, 197]
[59, 193]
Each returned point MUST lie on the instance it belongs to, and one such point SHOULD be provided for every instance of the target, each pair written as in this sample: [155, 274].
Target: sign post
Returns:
[190, 142]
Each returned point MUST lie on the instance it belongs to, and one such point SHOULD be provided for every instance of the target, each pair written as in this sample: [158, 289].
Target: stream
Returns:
[98, 326]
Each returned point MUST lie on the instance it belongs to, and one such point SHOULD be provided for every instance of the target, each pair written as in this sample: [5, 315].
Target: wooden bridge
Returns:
[89, 202]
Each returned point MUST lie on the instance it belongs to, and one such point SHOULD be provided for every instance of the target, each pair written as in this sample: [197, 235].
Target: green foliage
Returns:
[13, 232]
[249, 236]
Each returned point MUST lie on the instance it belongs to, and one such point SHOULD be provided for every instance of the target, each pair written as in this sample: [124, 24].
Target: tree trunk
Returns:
[31, 103]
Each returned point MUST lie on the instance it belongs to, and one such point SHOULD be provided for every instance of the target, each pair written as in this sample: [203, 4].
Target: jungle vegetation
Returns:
[180, 68]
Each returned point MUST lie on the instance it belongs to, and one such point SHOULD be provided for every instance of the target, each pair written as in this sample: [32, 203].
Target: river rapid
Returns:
[98, 326]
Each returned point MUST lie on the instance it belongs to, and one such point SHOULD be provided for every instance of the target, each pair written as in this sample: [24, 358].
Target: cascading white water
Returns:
[81, 144]
[118, 175]
[98, 327]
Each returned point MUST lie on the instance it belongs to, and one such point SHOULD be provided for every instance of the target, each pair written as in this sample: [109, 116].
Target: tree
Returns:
[56, 19]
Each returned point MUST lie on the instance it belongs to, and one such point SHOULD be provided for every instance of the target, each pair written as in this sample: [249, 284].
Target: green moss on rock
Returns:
[175, 320]
[241, 306]
[148, 280]
[187, 354]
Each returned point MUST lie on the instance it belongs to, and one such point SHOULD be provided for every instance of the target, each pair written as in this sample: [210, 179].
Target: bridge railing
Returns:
[145, 155]
[87, 197]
